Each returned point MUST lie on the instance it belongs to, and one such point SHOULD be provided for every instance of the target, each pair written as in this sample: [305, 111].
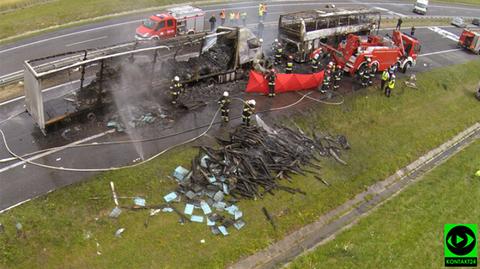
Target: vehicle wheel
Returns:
[91, 116]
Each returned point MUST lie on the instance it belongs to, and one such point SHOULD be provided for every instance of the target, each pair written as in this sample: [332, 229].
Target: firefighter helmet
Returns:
[276, 40]
[330, 64]
[260, 40]
[225, 93]
[251, 102]
[369, 59]
[176, 78]
[393, 76]
[290, 57]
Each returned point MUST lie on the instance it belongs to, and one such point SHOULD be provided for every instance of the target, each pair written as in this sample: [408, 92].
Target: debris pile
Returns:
[249, 164]
[136, 116]
[215, 60]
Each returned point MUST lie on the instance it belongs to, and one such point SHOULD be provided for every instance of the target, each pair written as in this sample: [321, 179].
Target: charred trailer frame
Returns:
[244, 47]
[303, 32]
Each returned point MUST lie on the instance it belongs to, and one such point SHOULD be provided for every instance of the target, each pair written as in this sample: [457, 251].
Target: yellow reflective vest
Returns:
[385, 75]
[391, 84]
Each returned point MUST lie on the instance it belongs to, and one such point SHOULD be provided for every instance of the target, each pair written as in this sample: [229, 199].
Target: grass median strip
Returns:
[65, 226]
[407, 231]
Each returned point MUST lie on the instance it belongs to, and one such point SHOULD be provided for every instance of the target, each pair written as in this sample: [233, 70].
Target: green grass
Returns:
[385, 134]
[407, 231]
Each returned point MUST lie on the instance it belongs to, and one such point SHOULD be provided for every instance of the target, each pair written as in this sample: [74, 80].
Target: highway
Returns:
[20, 181]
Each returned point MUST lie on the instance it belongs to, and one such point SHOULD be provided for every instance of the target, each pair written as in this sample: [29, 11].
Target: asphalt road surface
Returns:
[20, 181]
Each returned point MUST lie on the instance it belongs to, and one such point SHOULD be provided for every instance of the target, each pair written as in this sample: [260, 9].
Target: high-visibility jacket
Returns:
[260, 10]
[232, 15]
[290, 65]
[391, 84]
[385, 75]
[224, 103]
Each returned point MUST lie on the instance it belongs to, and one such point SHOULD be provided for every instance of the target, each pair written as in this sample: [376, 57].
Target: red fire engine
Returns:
[470, 39]
[176, 21]
[400, 49]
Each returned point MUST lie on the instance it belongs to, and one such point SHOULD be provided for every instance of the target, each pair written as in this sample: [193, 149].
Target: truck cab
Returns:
[156, 27]
[420, 7]
[175, 21]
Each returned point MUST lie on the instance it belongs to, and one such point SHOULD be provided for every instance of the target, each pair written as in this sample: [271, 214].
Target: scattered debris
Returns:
[138, 201]
[115, 212]
[114, 194]
[170, 197]
[119, 232]
[269, 218]
[202, 241]
[249, 164]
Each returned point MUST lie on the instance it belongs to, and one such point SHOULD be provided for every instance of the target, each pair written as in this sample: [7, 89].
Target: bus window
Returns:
[322, 23]
[332, 22]
[343, 20]
[352, 20]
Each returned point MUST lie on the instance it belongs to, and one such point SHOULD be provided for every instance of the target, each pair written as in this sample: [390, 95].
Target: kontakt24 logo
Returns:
[460, 244]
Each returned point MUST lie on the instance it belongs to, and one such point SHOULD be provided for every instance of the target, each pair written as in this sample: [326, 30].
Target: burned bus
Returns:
[303, 32]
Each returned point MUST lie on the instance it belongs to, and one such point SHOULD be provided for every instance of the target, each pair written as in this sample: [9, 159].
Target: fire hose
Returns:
[22, 158]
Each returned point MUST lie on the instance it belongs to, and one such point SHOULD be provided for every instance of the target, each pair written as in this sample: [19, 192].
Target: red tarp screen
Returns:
[284, 82]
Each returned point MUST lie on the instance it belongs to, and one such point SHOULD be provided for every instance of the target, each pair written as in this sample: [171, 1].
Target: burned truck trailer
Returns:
[224, 57]
[82, 82]
[303, 32]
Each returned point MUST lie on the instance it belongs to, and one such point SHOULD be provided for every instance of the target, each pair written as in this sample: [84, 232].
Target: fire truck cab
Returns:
[176, 21]
[400, 49]
[470, 39]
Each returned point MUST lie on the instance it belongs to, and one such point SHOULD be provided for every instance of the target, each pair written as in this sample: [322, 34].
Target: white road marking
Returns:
[6, 168]
[390, 12]
[85, 41]
[438, 52]
[444, 33]
[214, 10]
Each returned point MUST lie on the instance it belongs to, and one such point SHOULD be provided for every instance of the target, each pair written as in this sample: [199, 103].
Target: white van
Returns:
[420, 7]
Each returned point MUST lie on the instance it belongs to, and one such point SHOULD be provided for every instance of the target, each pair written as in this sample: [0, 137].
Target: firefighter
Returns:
[390, 86]
[248, 110]
[385, 78]
[365, 73]
[271, 76]
[327, 77]
[337, 77]
[224, 103]
[175, 89]
[223, 16]
[315, 62]
[412, 31]
[212, 21]
[278, 52]
[289, 67]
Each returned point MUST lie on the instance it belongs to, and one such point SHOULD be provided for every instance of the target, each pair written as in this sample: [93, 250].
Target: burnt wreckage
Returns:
[88, 78]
